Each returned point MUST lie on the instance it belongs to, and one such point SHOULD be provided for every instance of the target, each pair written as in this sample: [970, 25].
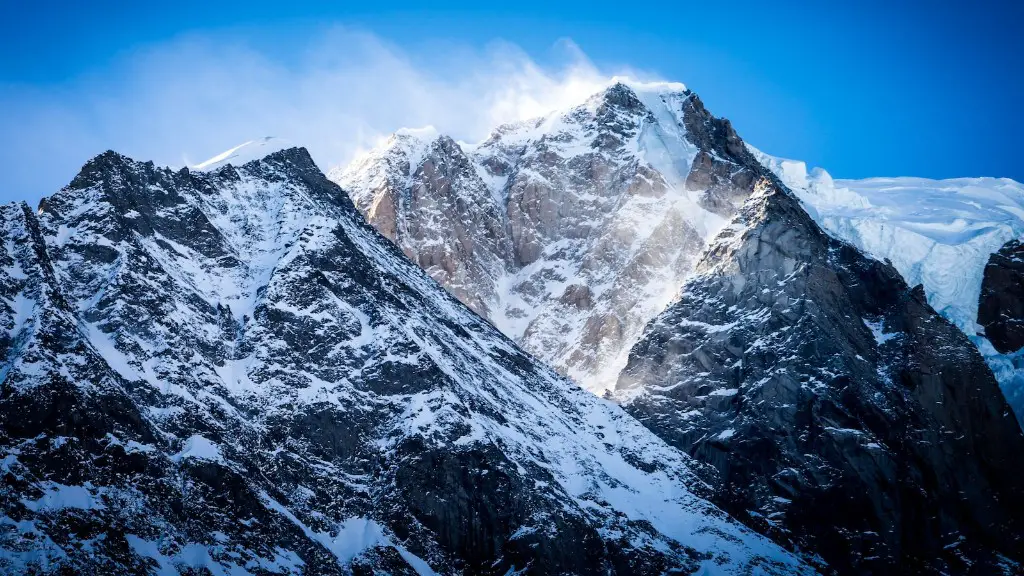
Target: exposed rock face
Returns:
[845, 417]
[721, 170]
[937, 233]
[1001, 306]
[618, 195]
[416, 190]
[229, 372]
[811, 377]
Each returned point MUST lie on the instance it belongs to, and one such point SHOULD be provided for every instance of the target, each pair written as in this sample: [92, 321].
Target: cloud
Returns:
[337, 94]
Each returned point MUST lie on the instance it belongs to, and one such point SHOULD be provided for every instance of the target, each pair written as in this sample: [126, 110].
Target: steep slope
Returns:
[1001, 318]
[230, 372]
[1001, 303]
[844, 415]
[939, 233]
[810, 376]
[568, 232]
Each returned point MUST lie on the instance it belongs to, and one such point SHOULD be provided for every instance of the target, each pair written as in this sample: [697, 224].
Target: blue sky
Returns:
[869, 89]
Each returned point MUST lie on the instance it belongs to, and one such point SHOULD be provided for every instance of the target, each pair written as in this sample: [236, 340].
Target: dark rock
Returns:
[844, 416]
[1001, 305]
[723, 170]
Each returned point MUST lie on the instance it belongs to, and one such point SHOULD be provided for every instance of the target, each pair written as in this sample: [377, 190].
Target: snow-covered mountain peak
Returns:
[229, 371]
[567, 231]
[937, 233]
[245, 152]
[390, 165]
[649, 93]
[624, 103]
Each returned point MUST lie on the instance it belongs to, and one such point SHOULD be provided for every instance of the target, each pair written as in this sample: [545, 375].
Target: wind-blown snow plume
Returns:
[339, 93]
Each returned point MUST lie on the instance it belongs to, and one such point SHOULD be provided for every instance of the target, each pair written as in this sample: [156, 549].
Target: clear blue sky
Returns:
[872, 88]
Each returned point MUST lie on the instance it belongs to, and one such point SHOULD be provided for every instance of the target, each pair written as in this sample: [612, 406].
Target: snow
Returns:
[200, 558]
[622, 245]
[353, 537]
[130, 446]
[199, 448]
[395, 160]
[356, 535]
[844, 431]
[878, 331]
[245, 153]
[426, 133]
[218, 380]
[59, 496]
[938, 233]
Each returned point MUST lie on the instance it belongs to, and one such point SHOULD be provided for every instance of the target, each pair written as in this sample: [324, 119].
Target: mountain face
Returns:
[844, 415]
[230, 372]
[1001, 318]
[622, 241]
[938, 233]
[569, 232]
[1001, 303]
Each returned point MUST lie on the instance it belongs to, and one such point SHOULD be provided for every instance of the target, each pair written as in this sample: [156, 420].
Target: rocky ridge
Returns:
[1001, 318]
[1001, 303]
[941, 234]
[814, 379]
[568, 232]
[809, 375]
[230, 372]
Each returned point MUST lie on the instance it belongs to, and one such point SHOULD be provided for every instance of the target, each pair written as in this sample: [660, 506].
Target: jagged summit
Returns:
[568, 231]
[624, 92]
[635, 238]
[620, 92]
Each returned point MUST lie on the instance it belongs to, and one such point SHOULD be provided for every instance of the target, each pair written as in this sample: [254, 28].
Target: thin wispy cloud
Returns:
[182, 102]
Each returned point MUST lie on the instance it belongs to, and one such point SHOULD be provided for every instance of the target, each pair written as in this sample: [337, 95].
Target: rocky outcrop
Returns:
[844, 416]
[1001, 305]
[937, 233]
[618, 194]
[810, 376]
[230, 372]
[412, 189]
[721, 171]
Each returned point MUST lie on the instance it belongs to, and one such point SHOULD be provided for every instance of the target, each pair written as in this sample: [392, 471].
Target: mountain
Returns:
[228, 371]
[938, 233]
[735, 305]
[815, 379]
[1000, 319]
[568, 232]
